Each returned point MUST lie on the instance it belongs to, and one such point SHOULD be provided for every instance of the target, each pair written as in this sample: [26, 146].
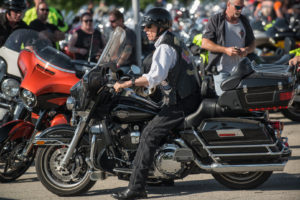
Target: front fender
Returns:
[56, 135]
[16, 129]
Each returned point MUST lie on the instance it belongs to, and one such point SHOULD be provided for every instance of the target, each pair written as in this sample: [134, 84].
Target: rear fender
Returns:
[16, 129]
[57, 135]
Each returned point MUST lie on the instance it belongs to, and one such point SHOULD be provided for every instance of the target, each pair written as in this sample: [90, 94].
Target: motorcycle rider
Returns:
[11, 19]
[170, 64]
[228, 37]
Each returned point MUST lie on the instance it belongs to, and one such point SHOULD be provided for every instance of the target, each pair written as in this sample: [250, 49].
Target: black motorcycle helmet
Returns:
[18, 5]
[159, 17]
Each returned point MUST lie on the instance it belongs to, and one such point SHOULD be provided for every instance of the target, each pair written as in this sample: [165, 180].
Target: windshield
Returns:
[114, 47]
[25, 37]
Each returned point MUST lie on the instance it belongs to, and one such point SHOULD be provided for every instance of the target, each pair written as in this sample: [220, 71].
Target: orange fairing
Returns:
[58, 101]
[43, 77]
[59, 119]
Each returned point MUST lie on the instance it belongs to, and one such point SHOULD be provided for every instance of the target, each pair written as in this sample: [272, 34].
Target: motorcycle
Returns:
[47, 76]
[10, 76]
[231, 137]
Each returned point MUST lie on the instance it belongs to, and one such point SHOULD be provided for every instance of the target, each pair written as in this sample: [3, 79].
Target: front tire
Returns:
[240, 181]
[71, 180]
[11, 166]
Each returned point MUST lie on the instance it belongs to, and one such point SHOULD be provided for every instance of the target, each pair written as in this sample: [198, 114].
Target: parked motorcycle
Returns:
[10, 76]
[240, 152]
[47, 76]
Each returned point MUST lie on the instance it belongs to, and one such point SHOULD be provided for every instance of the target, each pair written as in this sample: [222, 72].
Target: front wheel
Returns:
[71, 180]
[11, 166]
[243, 180]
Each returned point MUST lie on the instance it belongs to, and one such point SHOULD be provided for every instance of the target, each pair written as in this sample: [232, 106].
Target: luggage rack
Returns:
[214, 156]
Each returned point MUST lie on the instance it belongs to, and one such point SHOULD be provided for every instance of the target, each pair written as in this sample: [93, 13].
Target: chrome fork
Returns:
[77, 135]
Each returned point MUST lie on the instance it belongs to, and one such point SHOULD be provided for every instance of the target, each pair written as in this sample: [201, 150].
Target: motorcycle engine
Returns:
[128, 135]
[166, 165]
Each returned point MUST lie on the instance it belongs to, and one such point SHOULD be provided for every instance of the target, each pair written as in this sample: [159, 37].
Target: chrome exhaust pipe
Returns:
[215, 167]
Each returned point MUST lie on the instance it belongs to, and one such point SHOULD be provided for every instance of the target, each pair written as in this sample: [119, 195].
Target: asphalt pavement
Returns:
[283, 185]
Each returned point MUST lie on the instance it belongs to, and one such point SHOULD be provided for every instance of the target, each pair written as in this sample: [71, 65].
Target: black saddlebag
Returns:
[266, 88]
[235, 140]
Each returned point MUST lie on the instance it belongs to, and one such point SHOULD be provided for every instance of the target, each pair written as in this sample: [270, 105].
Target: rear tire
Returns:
[240, 181]
[293, 112]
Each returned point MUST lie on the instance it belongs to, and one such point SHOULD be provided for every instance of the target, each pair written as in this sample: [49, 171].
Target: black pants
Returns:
[158, 128]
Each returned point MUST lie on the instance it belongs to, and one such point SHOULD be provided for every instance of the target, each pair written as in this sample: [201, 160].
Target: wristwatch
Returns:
[133, 82]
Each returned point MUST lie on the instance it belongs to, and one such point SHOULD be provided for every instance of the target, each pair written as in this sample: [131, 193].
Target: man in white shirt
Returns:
[170, 64]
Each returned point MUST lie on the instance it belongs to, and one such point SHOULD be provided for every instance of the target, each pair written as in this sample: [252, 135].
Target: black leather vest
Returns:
[84, 41]
[181, 81]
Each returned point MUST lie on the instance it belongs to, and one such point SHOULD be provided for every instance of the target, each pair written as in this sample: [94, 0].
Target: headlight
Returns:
[28, 98]
[3, 67]
[10, 87]
[70, 103]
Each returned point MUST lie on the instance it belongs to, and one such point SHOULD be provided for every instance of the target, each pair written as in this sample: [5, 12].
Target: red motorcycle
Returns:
[47, 77]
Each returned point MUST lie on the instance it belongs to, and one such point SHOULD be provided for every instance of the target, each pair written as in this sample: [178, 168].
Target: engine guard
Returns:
[16, 129]
[50, 136]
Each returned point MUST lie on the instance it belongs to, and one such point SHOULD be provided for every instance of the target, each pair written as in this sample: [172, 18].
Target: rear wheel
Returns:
[293, 112]
[73, 179]
[243, 180]
[11, 167]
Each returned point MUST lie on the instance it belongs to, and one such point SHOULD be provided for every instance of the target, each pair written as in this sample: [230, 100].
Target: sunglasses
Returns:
[88, 20]
[238, 7]
[112, 21]
[44, 10]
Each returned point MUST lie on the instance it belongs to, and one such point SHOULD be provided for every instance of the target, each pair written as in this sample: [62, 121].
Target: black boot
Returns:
[129, 194]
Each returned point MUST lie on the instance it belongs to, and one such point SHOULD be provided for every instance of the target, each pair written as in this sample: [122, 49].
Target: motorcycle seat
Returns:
[206, 109]
[242, 69]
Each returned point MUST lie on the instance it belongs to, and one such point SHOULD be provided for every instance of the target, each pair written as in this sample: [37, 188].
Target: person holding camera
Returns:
[228, 37]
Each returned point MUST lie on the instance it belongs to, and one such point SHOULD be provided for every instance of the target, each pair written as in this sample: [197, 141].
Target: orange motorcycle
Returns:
[47, 77]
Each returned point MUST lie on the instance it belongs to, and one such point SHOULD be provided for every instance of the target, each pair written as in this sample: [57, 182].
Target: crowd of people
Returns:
[86, 43]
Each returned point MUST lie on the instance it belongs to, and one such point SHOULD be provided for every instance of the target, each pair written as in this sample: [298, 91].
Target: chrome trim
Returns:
[50, 142]
[6, 106]
[77, 135]
[215, 156]
[216, 167]
[55, 67]
[130, 93]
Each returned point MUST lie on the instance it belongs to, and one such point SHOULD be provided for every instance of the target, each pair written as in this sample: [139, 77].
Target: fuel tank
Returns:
[133, 109]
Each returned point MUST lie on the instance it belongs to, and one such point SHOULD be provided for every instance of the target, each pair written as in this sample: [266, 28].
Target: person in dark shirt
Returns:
[41, 24]
[11, 19]
[85, 39]
[128, 56]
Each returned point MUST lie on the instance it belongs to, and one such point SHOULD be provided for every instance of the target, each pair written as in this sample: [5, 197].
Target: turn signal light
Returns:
[40, 142]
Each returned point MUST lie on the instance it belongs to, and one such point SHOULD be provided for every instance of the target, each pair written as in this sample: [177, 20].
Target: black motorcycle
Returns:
[240, 152]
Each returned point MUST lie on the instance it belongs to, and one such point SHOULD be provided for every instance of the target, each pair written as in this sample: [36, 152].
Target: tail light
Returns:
[284, 96]
[278, 127]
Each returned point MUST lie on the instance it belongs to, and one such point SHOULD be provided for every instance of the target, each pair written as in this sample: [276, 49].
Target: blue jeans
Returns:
[218, 79]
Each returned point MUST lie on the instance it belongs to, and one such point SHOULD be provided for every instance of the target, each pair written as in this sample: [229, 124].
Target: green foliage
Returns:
[76, 4]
